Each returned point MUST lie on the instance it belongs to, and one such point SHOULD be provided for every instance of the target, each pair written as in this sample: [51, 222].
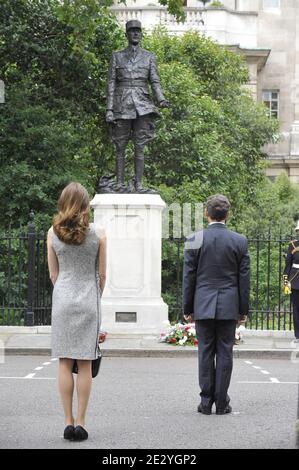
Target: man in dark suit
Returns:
[216, 283]
[130, 109]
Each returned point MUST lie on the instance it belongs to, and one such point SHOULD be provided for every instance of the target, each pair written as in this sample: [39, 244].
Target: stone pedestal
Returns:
[132, 302]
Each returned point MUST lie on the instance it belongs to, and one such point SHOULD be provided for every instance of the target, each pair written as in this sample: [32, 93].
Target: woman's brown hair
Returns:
[71, 224]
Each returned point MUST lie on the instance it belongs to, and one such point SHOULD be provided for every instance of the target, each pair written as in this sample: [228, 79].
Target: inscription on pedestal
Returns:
[125, 317]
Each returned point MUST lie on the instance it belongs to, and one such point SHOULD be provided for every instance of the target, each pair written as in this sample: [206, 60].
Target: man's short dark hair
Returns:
[218, 207]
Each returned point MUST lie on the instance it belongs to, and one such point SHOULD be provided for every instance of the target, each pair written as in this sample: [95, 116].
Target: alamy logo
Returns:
[2, 92]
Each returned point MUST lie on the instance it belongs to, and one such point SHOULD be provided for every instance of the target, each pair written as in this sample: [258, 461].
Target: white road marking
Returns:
[29, 376]
[249, 382]
[273, 380]
[54, 359]
[269, 383]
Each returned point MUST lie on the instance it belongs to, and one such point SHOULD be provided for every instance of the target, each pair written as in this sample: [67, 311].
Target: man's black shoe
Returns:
[205, 410]
[224, 411]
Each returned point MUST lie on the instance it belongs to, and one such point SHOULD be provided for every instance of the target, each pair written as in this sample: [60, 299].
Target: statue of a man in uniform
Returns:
[131, 112]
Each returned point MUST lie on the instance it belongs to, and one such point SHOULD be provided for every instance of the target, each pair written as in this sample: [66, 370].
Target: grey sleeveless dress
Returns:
[76, 305]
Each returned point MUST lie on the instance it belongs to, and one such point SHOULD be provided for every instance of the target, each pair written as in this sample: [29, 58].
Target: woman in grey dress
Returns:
[77, 266]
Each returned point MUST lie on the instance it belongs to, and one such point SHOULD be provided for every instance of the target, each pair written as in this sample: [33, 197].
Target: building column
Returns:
[253, 72]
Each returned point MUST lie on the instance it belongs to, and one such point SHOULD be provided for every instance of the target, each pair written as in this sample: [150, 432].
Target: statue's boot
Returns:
[120, 171]
[139, 169]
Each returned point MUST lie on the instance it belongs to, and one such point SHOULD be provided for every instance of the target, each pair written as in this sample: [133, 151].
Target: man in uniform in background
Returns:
[130, 110]
[291, 280]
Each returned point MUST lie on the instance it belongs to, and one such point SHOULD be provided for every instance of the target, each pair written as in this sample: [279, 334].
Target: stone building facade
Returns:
[266, 32]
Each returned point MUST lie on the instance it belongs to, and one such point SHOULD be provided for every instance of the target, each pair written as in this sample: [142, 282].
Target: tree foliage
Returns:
[52, 123]
[210, 139]
[54, 59]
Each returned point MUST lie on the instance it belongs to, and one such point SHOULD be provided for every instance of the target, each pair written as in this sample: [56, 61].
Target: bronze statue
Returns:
[131, 112]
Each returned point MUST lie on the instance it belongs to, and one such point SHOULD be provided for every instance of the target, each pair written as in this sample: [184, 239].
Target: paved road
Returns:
[150, 403]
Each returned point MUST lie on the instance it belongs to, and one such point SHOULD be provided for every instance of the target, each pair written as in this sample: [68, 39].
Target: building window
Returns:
[271, 100]
[271, 4]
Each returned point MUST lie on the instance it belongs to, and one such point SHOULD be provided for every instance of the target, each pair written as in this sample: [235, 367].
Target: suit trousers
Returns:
[295, 302]
[215, 360]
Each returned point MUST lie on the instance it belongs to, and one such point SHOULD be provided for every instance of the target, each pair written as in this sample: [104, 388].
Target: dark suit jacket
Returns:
[128, 81]
[292, 258]
[216, 278]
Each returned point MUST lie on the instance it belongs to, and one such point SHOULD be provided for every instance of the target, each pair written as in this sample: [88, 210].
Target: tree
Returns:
[54, 58]
[210, 139]
[52, 123]
[274, 206]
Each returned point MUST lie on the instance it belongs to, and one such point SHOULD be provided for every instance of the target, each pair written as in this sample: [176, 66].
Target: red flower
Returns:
[196, 342]
[172, 340]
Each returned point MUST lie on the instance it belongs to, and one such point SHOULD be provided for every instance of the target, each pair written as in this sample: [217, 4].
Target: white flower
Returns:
[181, 342]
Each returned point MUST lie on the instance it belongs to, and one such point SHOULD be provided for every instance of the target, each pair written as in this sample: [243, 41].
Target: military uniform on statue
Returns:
[131, 114]
[291, 280]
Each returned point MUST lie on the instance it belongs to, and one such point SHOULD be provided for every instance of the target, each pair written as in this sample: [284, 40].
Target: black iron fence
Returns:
[25, 288]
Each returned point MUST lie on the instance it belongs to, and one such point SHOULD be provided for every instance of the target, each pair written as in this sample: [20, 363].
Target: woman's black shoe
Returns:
[80, 433]
[69, 432]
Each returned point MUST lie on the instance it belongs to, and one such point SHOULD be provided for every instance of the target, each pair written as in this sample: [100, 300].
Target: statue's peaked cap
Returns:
[133, 24]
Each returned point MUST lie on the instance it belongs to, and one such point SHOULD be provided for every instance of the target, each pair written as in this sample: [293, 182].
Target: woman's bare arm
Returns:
[102, 259]
[52, 258]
